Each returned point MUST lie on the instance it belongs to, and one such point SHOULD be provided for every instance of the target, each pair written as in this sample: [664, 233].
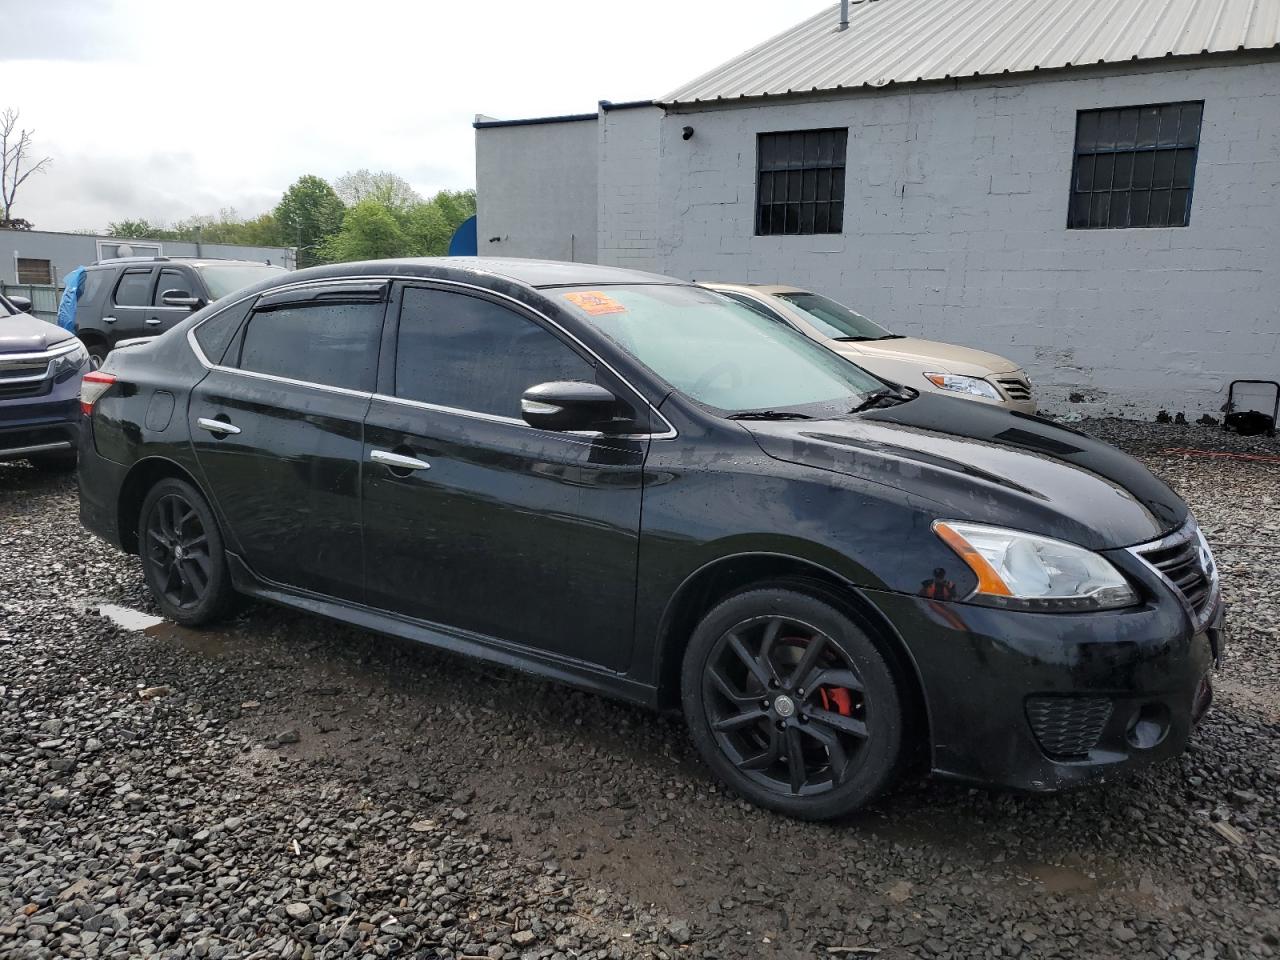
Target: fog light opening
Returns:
[1149, 726]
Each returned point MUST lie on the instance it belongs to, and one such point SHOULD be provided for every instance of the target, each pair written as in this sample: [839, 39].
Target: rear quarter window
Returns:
[215, 334]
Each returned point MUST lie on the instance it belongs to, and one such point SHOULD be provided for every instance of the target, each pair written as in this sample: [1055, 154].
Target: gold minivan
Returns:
[923, 364]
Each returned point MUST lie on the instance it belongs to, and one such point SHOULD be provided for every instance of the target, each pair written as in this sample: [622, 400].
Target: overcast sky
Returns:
[162, 110]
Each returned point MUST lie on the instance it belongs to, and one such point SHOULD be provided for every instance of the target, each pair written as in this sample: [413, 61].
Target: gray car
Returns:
[40, 370]
[131, 297]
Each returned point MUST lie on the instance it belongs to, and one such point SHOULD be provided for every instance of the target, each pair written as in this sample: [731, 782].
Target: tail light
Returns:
[92, 387]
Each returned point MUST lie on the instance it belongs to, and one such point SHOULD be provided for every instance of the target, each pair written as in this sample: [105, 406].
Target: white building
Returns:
[1091, 187]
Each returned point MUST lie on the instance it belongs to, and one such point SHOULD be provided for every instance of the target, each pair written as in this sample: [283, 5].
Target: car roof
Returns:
[762, 288]
[531, 273]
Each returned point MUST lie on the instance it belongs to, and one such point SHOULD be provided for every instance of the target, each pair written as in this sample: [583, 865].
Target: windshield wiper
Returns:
[893, 336]
[875, 397]
[853, 339]
[769, 415]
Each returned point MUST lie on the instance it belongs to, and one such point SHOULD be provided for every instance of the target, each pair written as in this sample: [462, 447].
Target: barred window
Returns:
[800, 182]
[1135, 166]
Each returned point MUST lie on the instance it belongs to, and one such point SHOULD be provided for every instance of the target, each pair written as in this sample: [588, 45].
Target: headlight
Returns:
[1021, 571]
[66, 364]
[971, 386]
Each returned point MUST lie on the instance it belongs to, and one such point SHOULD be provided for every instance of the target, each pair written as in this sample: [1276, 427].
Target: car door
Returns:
[129, 307]
[161, 316]
[476, 520]
[277, 430]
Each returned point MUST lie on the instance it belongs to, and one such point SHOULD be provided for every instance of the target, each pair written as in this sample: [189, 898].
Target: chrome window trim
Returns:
[670, 433]
[1188, 532]
[517, 422]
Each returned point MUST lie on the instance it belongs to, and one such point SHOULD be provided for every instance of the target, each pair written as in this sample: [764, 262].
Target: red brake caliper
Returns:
[837, 700]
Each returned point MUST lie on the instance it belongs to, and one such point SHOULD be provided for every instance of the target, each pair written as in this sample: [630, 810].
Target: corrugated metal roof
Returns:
[902, 41]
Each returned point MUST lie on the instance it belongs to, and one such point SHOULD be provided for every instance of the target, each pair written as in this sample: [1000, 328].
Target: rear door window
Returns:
[332, 344]
[134, 288]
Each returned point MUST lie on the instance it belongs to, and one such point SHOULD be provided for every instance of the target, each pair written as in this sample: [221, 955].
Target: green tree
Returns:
[138, 230]
[430, 225]
[308, 214]
[369, 232]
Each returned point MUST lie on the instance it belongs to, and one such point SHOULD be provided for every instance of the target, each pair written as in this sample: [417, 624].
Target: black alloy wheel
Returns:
[182, 554]
[793, 704]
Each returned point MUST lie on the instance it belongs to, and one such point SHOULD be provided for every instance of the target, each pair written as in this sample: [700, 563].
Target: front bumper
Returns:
[32, 429]
[1042, 702]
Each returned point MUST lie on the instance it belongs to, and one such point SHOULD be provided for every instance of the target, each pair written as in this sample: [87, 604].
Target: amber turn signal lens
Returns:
[989, 582]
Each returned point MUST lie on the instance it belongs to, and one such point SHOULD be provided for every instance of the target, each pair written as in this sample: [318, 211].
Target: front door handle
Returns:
[154, 321]
[398, 461]
[218, 426]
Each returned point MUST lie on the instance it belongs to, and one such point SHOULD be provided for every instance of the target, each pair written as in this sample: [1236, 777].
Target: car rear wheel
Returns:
[792, 704]
[97, 354]
[182, 554]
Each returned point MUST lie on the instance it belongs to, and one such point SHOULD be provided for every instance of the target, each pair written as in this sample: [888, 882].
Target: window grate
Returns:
[800, 182]
[1134, 166]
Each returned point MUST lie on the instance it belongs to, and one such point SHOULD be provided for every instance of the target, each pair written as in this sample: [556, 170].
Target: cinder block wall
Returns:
[628, 187]
[955, 229]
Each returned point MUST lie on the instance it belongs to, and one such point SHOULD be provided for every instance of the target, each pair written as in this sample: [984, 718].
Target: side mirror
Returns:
[181, 298]
[22, 303]
[568, 405]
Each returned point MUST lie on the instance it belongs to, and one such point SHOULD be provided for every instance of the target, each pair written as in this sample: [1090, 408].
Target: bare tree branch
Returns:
[16, 162]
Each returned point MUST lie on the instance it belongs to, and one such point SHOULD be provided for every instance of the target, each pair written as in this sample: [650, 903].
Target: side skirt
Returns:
[481, 647]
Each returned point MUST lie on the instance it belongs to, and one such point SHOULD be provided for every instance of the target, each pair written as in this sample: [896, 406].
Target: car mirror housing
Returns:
[181, 298]
[568, 405]
[22, 303]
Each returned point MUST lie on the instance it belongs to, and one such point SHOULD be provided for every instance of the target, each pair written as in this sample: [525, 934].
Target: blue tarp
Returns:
[70, 296]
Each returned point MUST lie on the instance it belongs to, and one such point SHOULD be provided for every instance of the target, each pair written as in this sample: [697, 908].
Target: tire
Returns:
[182, 553]
[97, 353]
[746, 706]
[55, 462]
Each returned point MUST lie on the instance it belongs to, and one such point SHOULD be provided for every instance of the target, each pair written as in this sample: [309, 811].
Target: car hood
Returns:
[939, 357]
[27, 334]
[980, 463]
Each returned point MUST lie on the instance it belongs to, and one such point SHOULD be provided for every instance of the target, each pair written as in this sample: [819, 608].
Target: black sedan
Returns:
[637, 486]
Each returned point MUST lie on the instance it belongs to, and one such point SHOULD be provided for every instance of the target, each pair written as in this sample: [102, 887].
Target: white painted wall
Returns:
[536, 190]
[955, 229]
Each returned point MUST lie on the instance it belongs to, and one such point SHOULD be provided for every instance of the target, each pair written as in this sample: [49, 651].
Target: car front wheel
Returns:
[182, 554]
[792, 704]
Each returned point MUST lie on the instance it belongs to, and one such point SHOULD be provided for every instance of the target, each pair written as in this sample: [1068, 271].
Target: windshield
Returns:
[834, 320]
[721, 354]
[222, 279]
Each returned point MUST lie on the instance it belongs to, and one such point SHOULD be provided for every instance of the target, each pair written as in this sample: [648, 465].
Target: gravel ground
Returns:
[289, 788]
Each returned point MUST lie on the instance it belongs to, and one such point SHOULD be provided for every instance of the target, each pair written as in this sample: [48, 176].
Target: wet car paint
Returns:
[579, 561]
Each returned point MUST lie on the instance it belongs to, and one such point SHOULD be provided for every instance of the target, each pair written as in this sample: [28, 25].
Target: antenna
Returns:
[844, 16]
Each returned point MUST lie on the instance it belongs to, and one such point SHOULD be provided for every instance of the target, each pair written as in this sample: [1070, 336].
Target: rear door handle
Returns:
[217, 426]
[108, 319]
[154, 321]
[398, 461]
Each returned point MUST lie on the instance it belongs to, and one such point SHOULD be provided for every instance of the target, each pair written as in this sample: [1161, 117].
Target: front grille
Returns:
[1178, 559]
[1015, 388]
[16, 391]
[1067, 728]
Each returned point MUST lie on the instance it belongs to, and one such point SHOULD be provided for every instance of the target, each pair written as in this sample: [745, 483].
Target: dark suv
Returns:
[639, 486]
[133, 297]
[40, 369]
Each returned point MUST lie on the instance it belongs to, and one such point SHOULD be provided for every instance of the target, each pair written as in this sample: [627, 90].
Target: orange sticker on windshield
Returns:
[595, 303]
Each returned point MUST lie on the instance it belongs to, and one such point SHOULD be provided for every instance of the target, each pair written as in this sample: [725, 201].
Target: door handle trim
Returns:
[154, 321]
[108, 319]
[398, 461]
[217, 426]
